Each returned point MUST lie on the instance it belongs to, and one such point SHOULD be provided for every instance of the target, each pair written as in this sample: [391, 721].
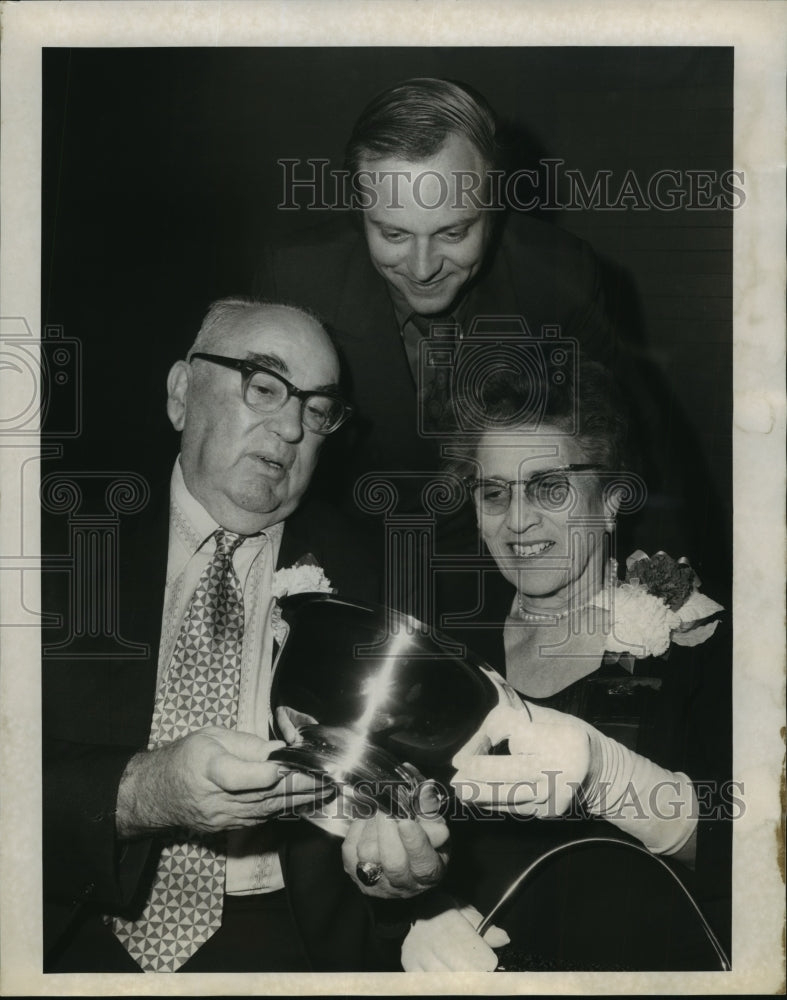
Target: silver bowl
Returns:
[376, 702]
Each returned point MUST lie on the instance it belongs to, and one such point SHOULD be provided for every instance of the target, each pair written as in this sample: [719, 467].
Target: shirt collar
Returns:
[194, 525]
[404, 315]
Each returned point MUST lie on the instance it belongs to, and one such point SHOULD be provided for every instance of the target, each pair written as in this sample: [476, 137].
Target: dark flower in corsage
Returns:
[661, 576]
[658, 603]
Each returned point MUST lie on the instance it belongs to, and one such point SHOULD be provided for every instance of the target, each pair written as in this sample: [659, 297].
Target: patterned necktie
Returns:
[200, 689]
[435, 379]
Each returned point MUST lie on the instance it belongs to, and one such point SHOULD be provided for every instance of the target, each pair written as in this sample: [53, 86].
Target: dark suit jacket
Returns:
[532, 270]
[97, 714]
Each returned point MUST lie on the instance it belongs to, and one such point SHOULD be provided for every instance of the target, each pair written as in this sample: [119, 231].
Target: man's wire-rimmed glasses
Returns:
[265, 391]
[551, 490]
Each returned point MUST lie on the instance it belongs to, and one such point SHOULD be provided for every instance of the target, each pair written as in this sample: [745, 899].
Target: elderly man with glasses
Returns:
[167, 842]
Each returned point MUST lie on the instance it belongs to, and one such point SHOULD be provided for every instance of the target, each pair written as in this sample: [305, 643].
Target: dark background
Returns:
[160, 184]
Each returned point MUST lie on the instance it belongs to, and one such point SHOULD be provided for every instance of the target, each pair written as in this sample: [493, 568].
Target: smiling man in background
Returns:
[428, 268]
[430, 247]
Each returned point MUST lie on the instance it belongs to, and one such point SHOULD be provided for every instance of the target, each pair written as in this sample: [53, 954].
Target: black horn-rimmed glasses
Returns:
[265, 391]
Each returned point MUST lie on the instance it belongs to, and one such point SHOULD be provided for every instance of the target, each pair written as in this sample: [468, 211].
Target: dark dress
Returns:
[603, 906]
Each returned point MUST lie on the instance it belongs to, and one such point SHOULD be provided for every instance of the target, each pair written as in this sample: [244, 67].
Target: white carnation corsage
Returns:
[658, 603]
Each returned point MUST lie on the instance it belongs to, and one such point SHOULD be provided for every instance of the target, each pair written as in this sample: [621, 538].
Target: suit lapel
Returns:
[382, 384]
[499, 291]
[108, 699]
[363, 303]
[369, 333]
[143, 574]
[293, 543]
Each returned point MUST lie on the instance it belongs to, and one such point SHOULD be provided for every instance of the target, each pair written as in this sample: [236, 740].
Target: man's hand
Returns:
[411, 853]
[449, 941]
[213, 779]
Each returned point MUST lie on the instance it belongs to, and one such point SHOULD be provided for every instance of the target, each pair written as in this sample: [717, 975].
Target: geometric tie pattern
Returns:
[200, 688]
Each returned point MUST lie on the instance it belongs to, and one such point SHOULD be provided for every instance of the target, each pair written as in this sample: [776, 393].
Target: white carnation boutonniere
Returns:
[658, 603]
[305, 576]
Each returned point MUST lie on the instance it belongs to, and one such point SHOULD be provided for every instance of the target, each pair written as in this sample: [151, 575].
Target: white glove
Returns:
[555, 757]
[657, 806]
[449, 941]
[548, 760]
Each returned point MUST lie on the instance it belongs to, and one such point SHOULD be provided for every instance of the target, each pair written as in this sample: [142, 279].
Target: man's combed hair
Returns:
[413, 119]
[591, 406]
[221, 314]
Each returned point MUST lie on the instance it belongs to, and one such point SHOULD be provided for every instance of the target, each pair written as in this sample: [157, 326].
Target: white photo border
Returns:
[756, 31]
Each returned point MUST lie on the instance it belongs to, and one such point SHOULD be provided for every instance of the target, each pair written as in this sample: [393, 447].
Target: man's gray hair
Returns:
[221, 314]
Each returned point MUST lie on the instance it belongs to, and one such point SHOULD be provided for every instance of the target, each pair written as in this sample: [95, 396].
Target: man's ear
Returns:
[612, 500]
[177, 391]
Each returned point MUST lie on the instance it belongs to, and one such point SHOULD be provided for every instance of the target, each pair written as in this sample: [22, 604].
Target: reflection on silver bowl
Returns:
[363, 773]
[376, 699]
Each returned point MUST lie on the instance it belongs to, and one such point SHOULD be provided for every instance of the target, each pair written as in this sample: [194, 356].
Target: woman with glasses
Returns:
[620, 730]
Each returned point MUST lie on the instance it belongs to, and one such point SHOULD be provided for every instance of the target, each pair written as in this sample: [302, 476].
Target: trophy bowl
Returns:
[375, 701]
[378, 704]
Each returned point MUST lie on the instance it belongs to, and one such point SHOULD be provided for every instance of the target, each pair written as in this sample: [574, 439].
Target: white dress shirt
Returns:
[252, 860]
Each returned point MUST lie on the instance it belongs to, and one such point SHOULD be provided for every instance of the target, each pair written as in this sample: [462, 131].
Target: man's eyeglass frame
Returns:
[249, 369]
[472, 483]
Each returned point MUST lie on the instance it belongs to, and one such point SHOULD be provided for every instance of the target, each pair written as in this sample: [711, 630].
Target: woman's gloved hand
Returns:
[548, 759]
[555, 758]
[448, 941]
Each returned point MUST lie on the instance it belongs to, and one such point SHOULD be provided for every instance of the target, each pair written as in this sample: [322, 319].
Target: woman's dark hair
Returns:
[586, 403]
[413, 119]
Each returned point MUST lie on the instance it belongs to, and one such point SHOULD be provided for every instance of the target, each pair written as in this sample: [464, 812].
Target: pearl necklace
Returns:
[550, 616]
